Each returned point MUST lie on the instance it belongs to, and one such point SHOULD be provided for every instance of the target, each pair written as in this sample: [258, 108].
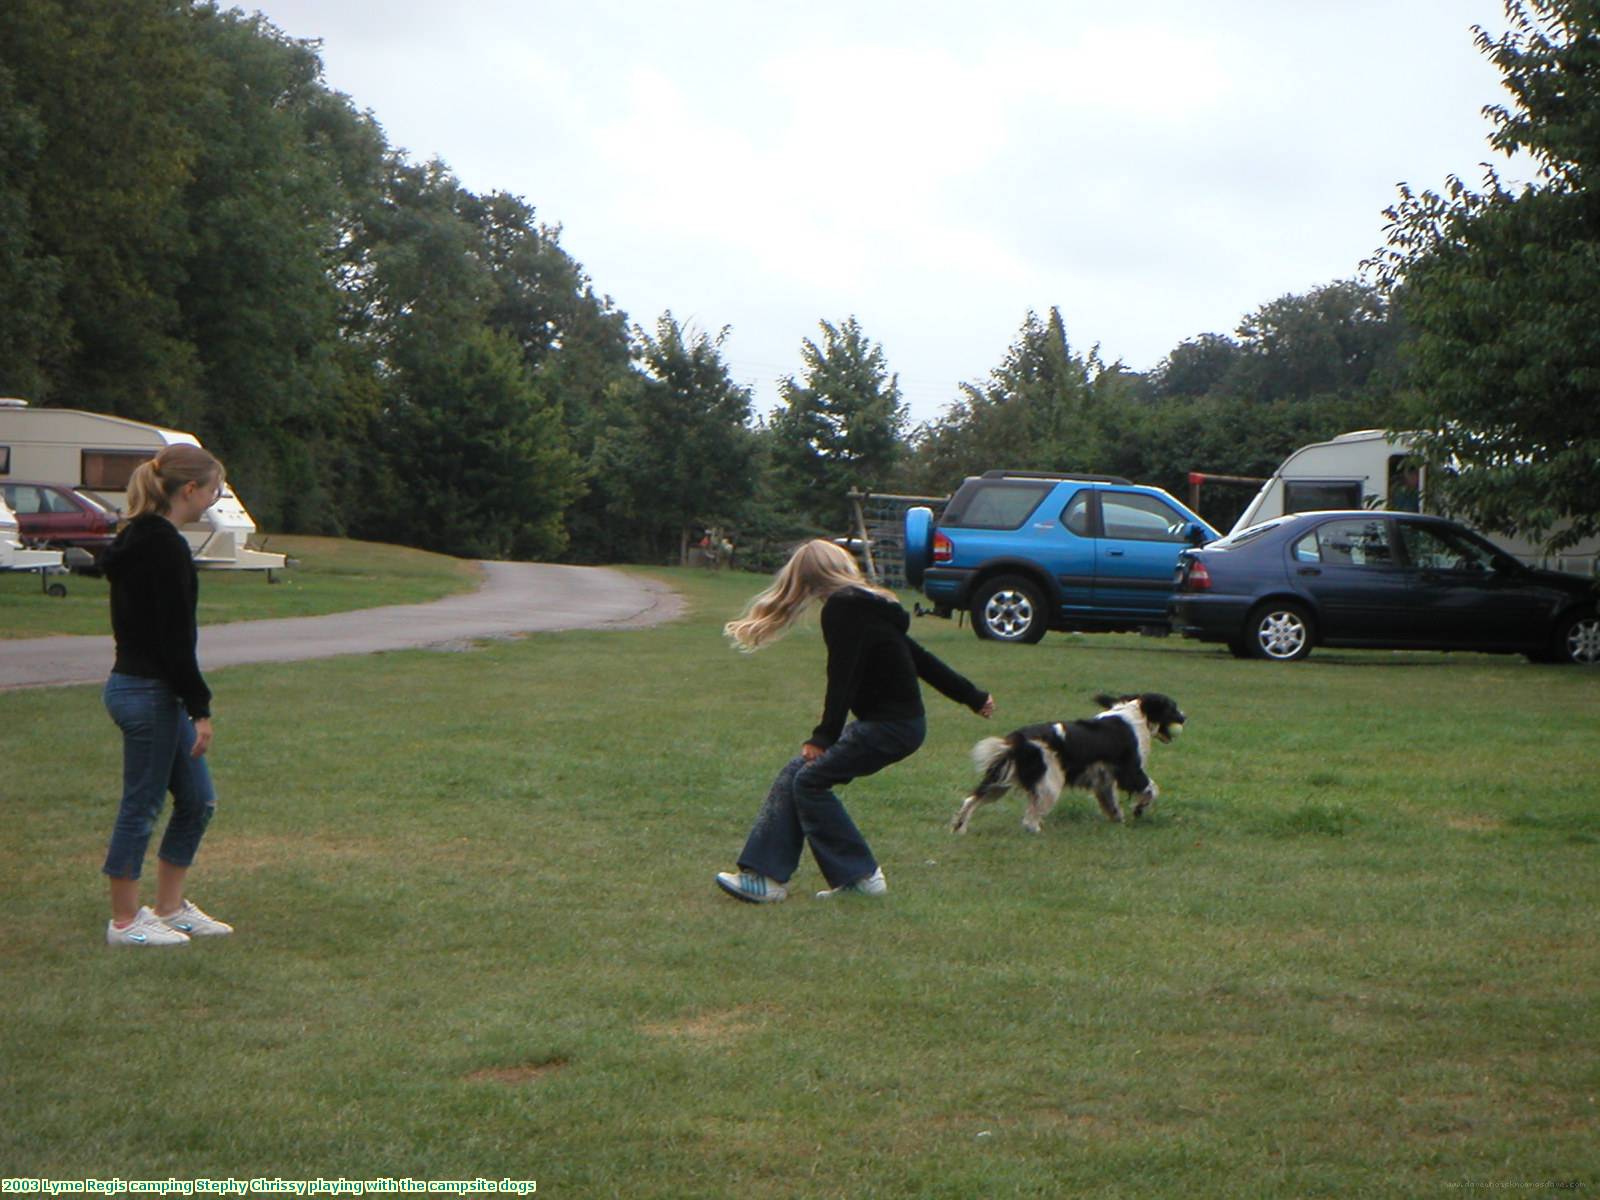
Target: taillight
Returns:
[943, 548]
[1198, 579]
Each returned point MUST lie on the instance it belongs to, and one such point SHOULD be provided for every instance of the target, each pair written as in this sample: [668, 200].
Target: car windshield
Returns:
[95, 502]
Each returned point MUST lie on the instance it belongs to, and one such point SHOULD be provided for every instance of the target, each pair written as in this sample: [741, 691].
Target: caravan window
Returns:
[1405, 483]
[5, 460]
[110, 470]
[1320, 495]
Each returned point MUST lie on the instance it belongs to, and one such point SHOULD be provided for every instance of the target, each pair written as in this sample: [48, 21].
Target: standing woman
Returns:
[873, 668]
[158, 698]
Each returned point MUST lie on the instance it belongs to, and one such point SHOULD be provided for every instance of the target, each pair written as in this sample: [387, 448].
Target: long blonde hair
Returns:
[157, 480]
[815, 571]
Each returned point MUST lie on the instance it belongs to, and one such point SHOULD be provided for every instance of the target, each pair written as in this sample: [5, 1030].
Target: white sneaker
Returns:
[190, 921]
[873, 885]
[146, 929]
[748, 885]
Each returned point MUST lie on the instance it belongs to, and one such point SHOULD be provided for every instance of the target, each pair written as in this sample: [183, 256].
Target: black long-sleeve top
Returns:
[873, 665]
[154, 591]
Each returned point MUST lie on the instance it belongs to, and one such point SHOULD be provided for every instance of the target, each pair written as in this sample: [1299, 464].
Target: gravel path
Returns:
[515, 598]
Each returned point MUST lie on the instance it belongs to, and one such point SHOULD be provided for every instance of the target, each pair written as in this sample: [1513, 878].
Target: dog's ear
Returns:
[1105, 700]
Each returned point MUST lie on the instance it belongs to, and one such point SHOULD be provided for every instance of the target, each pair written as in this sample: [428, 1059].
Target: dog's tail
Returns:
[991, 758]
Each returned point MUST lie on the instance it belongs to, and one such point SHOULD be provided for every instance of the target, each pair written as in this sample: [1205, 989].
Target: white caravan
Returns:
[98, 453]
[1373, 469]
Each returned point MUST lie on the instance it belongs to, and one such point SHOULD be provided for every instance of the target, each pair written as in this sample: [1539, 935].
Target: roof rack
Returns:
[1003, 473]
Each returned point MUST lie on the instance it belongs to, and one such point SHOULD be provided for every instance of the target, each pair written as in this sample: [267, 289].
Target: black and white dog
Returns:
[1100, 755]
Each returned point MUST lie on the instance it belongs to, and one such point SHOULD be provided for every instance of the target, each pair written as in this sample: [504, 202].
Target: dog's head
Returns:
[1160, 712]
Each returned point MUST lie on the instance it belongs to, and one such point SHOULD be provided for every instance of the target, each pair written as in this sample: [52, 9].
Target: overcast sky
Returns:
[935, 168]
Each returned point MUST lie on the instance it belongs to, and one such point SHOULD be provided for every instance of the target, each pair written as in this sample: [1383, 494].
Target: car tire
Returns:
[919, 543]
[1577, 640]
[1009, 609]
[1278, 632]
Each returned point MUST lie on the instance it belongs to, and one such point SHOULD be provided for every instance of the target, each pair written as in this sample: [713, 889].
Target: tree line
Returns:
[199, 232]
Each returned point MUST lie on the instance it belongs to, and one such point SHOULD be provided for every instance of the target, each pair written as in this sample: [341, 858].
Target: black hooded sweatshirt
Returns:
[873, 666]
[154, 590]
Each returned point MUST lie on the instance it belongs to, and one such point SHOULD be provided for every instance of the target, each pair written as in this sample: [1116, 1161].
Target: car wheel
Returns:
[1009, 609]
[1577, 639]
[1280, 632]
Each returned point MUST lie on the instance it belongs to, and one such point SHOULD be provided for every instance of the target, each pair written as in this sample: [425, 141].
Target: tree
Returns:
[1331, 341]
[840, 426]
[487, 473]
[1036, 410]
[1497, 287]
[1195, 366]
[107, 84]
[681, 453]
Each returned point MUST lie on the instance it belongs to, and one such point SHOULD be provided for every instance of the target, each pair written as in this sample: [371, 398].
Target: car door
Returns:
[1348, 568]
[1467, 594]
[1136, 554]
[1064, 545]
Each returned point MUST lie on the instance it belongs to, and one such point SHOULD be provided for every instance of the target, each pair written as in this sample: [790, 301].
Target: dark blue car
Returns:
[1380, 580]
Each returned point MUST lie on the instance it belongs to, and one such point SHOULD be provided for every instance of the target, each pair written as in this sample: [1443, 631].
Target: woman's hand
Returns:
[987, 710]
[202, 736]
[811, 752]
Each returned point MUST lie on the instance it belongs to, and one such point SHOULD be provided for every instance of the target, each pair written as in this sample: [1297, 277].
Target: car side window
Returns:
[57, 503]
[1305, 550]
[1355, 543]
[1140, 518]
[1438, 550]
[24, 501]
[1076, 516]
[999, 506]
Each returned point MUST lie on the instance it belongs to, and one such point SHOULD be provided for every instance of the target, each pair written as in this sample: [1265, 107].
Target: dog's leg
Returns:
[1042, 796]
[983, 795]
[1146, 799]
[964, 813]
[1104, 785]
[1034, 813]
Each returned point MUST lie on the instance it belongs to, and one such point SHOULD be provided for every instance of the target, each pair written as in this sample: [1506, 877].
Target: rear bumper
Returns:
[947, 586]
[1208, 618]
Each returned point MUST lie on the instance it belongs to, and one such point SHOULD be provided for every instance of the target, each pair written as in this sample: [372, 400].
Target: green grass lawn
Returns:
[328, 575]
[1353, 953]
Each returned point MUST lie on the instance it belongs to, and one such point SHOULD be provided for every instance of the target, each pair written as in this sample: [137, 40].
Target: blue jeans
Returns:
[157, 737]
[801, 808]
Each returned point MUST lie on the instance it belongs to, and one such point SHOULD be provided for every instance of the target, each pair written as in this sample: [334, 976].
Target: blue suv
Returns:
[1025, 552]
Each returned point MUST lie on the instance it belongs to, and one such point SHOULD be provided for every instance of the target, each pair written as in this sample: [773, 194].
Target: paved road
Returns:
[515, 598]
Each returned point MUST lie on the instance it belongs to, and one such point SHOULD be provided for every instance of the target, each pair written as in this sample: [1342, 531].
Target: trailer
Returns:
[98, 453]
[1372, 468]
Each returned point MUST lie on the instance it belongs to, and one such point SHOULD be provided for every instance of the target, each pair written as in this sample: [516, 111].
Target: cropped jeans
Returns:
[157, 738]
[801, 808]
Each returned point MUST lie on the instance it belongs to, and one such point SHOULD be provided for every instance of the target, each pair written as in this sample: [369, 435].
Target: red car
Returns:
[52, 514]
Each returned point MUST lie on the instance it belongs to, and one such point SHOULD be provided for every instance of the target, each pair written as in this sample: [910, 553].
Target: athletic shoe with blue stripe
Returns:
[872, 885]
[146, 929]
[191, 922]
[749, 886]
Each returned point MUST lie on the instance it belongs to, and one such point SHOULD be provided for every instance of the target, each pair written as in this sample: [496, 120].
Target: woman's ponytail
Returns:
[144, 492]
[155, 481]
